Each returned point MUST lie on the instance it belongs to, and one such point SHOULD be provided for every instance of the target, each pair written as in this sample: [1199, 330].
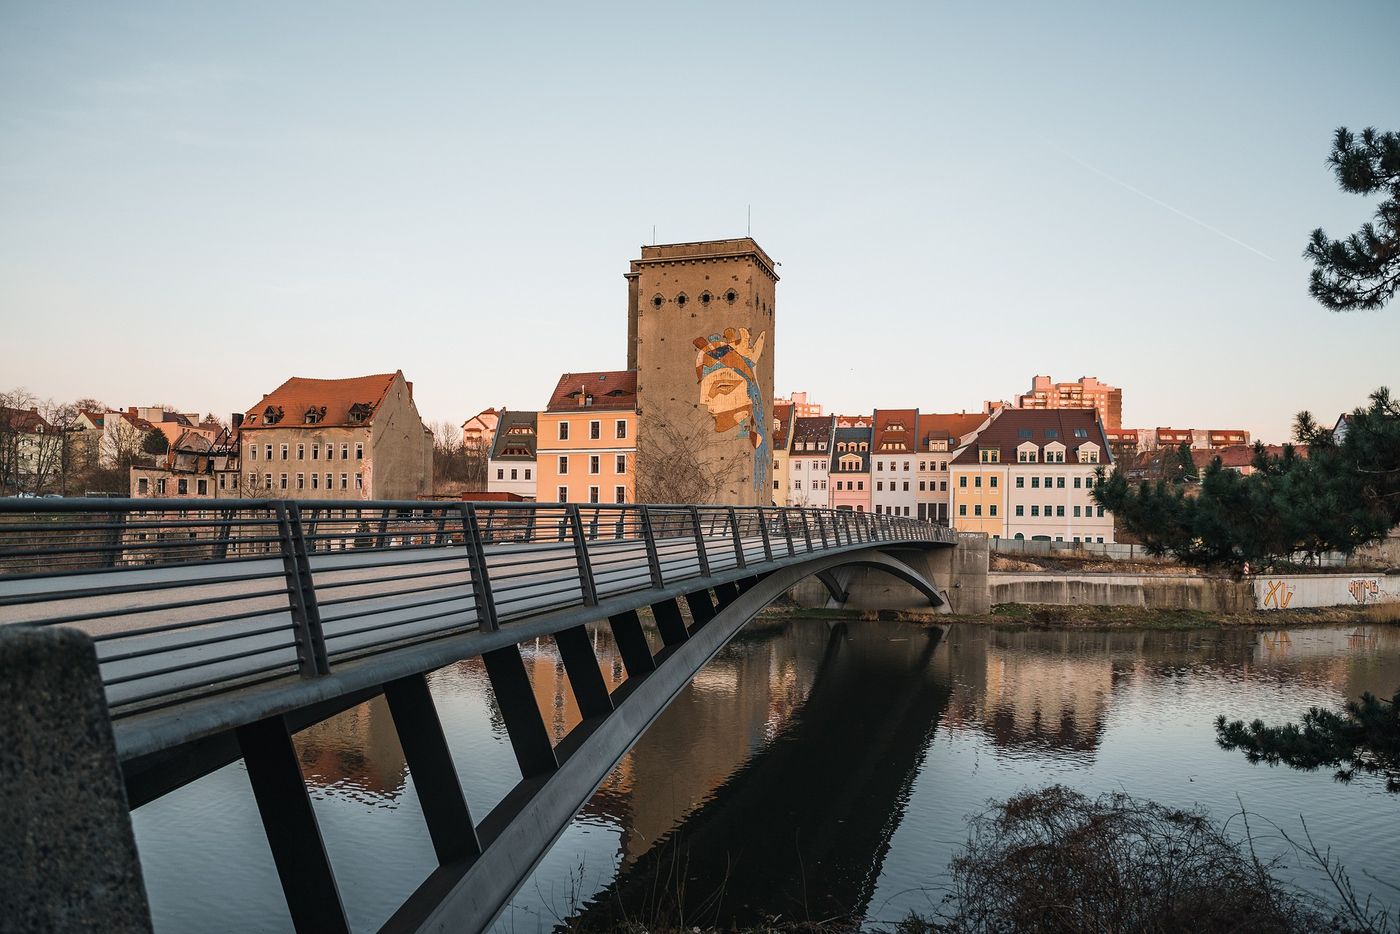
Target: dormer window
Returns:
[1027, 453]
[989, 455]
[314, 415]
[360, 413]
[1054, 453]
[272, 415]
[1089, 453]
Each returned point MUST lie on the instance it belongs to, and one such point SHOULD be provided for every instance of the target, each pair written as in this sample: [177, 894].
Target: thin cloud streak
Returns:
[1160, 203]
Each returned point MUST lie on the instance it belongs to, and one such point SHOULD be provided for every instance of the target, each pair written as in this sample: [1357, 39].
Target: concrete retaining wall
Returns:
[1208, 594]
[1304, 590]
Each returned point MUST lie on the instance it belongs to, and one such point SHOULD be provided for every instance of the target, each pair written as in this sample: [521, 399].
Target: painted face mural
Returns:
[727, 369]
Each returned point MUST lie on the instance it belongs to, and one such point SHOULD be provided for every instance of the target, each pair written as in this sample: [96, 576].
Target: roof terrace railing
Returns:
[188, 598]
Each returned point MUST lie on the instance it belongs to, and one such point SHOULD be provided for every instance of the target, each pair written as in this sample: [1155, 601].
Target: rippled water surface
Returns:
[809, 770]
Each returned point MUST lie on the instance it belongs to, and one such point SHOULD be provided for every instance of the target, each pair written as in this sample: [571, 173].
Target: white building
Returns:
[510, 467]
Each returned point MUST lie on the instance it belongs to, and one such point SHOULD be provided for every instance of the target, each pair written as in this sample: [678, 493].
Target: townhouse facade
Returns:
[850, 468]
[782, 425]
[510, 464]
[336, 439]
[587, 447]
[893, 455]
[1030, 474]
[809, 462]
[939, 436]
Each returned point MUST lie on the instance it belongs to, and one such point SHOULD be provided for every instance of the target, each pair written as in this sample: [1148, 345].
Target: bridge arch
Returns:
[471, 899]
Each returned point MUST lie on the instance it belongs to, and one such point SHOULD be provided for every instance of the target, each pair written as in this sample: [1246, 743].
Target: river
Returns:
[810, 770]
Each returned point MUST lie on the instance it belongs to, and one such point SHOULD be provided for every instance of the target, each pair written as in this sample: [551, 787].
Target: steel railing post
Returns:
[738, 539]
[481, 577]
[649, 537]
[699, 542]
[787, 532]
[806, 529]
[763, 531]
[585, 567]
[312, 659]
[821, 526]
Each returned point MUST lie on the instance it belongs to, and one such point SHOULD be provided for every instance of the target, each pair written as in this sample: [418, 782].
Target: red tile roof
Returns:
[895, 429]
[1005, 432]
[299, 394]
[609, 389]
[952, 426]
[782, 417]
[28, 421]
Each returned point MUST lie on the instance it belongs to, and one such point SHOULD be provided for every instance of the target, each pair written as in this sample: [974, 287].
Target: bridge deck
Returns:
[196, 605]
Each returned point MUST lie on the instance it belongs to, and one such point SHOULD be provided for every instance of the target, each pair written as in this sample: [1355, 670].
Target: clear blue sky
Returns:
[198, 200]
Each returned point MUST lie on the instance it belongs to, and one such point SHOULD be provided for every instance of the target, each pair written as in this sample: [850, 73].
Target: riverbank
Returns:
[1034, 616]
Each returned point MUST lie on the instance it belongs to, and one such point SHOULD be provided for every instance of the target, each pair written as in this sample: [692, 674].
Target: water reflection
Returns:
[805, 771]
[824, 795]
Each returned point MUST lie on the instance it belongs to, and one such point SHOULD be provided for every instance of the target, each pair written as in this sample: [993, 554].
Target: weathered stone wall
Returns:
[1152, 591]
[722, 295]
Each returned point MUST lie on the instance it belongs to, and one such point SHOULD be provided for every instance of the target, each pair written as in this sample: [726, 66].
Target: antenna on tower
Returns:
[748, 229]
[653, 235]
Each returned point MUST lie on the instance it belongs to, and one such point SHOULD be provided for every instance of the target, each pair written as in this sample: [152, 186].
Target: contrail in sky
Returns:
[1139, 192]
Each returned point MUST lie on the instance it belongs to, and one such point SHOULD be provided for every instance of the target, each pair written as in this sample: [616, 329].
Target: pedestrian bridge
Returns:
[222, 627]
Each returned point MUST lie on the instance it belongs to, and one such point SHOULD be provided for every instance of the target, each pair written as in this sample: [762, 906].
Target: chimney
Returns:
[236, 419]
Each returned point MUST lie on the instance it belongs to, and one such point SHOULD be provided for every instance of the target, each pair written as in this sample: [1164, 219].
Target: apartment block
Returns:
[586, 442]
[337, 439]
[1030, 475]
[1085, 393]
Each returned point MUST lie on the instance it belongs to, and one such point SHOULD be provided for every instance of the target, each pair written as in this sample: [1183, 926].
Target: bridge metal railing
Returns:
[187, 598]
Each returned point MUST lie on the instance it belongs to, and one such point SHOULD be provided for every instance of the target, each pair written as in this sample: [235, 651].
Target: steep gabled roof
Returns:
[515, 430]
[608, 389]
[782, 423]
[950, 426]
[338, 397]
[849, 435]
[1014, 427]
[813, 429]
[895, 430]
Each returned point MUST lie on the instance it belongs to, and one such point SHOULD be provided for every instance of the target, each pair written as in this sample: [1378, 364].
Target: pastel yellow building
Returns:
[587, 447]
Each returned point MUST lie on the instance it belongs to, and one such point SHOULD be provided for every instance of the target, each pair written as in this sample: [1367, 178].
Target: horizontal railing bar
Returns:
[186, 692]
[109, 612]
[181, 646]
[203, 663]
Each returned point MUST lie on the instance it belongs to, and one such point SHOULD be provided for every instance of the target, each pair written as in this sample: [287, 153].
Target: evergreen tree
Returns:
[1188, 471]
[1342, 495]
[155, 442]
[1364, 736]
[1362, 271]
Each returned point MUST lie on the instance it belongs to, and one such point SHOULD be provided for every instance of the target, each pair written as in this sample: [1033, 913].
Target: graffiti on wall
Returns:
[726, 368]
[1360, 588]
[1278, 595]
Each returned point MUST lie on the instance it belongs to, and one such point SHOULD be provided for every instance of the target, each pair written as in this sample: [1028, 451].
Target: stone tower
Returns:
[700, 336]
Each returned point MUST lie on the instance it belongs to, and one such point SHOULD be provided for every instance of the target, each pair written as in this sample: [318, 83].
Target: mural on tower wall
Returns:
[726, 368]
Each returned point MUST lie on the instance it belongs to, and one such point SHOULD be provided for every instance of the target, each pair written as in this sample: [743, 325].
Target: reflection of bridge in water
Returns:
[772, 840]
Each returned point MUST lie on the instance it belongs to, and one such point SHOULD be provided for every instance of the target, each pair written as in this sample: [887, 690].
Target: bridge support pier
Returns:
[69, 861]
[670, 622]
[292, 832]
[632, 644]
[585, 677]
[701, 609]
[528, 734]
[434, 775]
